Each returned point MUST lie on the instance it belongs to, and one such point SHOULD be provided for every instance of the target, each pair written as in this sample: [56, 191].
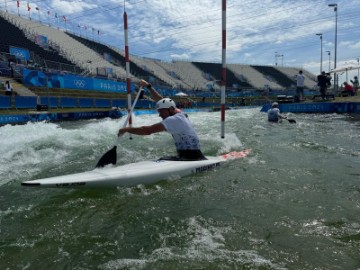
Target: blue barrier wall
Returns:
[24, 118]
[120, 103]
[5, 102]
[86, 102]
[52, 102]
[66, 102]
[102, 103]
[25, 102]
[323, 107]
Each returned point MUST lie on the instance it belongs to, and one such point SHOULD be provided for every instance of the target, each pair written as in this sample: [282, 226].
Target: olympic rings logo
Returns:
[79, 83]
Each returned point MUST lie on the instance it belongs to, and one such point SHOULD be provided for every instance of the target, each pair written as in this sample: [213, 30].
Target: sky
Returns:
[265, 32]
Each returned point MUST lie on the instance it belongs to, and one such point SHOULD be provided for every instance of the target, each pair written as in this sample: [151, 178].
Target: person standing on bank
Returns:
[300, 79]
[355, 83]
[274, 114]
[174, 122]
[8, 88]
[323, 84]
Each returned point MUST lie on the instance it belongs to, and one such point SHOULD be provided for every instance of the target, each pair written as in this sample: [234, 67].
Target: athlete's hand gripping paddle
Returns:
[110, 157]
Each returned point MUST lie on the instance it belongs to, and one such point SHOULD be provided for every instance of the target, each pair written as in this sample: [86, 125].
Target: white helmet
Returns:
[165, 103]
[275, 104]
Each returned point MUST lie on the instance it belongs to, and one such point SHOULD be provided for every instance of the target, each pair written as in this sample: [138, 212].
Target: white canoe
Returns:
[144, 172]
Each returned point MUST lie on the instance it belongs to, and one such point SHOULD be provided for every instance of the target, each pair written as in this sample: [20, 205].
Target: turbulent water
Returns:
[293, 203]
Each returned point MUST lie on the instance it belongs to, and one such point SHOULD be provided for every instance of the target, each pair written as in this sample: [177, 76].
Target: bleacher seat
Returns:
[17, 38]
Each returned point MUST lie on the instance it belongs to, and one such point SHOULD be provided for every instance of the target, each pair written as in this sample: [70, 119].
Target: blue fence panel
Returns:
[25, 102]
[66, 102]
[86, 102]
[102, 103]
[5, 102]
[52, 102]
[121, 103]
[146, 104]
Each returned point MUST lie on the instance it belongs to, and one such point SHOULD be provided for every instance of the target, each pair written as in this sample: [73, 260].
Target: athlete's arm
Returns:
[144, 130]
[154, 94]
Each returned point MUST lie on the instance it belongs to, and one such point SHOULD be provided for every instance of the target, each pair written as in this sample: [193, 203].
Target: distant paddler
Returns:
[275, 116]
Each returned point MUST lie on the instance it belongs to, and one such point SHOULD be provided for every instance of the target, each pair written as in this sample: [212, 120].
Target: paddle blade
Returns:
[110, 157]
[292, 121]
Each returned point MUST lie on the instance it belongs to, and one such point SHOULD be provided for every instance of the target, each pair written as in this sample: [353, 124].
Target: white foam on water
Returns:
[206, 243]
[31, 149]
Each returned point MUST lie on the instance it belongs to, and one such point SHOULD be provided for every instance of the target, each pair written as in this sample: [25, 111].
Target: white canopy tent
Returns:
[346, 68]
[181, 94]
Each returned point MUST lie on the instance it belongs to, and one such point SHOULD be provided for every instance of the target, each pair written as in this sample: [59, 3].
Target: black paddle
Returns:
[292, 121]
[110, 157]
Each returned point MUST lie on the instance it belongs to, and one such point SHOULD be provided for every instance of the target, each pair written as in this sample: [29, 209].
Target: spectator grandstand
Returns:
[211, 71]
[273, 74]
[99, 65]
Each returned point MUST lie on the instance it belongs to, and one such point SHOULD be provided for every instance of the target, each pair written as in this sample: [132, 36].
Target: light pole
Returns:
[277, 55]
[329, 53]
[335, 53]
[321, 61]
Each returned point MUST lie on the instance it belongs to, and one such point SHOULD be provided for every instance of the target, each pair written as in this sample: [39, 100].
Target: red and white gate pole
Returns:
[127, 63]
[223, 69]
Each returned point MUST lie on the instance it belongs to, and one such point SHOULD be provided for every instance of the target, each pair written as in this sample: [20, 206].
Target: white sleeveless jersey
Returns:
[182, 130]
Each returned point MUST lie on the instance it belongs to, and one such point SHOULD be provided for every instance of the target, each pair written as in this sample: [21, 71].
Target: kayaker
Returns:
[274, 114]
[177, 124]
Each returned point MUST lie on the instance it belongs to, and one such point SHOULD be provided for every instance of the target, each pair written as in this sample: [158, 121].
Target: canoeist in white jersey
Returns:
[274, 114]
[176, 123]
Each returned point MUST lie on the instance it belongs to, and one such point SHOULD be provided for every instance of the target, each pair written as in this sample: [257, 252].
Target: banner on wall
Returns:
[42, 40]
[67, 81]
[20, 53]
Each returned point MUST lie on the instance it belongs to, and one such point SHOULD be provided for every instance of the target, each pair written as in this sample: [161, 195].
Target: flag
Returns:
[28, 6]
[18, 3]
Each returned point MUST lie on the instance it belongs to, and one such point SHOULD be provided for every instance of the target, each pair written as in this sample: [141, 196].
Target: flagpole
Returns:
[29, 8]
[5, 6]
[18, 5]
